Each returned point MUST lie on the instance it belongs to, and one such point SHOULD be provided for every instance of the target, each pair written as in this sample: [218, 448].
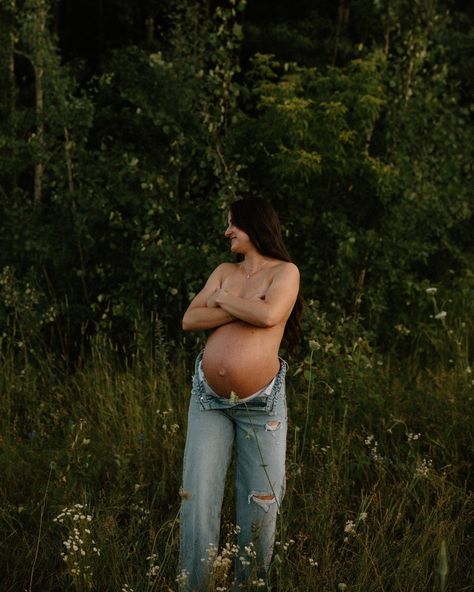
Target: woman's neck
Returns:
[253, 262]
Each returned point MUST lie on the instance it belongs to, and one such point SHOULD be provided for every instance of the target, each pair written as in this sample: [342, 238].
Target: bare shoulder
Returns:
[222, 271]
[286, 276]
[227, 266]
[286, 270]
[225, 269]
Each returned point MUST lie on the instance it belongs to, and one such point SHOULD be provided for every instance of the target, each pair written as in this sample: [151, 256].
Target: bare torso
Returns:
[240, 357]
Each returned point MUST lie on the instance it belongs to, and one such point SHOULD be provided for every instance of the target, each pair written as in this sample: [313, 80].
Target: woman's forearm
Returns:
[254, 312]
[200, 318]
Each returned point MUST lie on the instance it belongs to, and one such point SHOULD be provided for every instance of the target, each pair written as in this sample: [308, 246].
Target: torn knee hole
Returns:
[272, 426]
[262, 499]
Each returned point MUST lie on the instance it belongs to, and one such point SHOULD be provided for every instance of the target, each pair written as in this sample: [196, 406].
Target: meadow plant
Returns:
[153, 565]
[80, 548]
[444, 330]
[376, 473]
[222, 560]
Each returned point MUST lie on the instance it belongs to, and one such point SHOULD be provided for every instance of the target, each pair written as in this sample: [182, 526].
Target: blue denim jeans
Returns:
[258, 429]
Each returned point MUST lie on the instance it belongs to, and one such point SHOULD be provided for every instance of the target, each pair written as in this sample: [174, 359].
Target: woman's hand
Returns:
[219, 295]
[215, 297]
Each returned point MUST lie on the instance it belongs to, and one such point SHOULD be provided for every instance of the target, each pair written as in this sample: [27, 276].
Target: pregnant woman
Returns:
[238, 396]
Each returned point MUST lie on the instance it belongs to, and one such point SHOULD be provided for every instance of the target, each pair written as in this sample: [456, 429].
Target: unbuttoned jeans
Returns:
[258, 429]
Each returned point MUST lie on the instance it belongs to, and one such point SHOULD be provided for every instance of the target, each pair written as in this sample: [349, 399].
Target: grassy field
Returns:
[378, 467]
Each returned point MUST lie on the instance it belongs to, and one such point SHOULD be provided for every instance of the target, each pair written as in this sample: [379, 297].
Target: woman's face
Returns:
[239, 240]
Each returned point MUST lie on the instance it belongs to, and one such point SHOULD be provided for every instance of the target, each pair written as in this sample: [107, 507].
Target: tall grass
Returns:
[378, 467]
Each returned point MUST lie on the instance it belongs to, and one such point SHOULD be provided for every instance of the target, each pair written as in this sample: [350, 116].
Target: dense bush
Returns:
[114, 184]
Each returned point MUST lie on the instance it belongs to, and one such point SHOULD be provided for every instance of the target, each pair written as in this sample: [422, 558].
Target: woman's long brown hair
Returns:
[258, 219]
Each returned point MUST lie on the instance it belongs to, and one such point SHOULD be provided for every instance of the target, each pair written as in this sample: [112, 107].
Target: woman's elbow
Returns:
[269, 320]
[186, 323]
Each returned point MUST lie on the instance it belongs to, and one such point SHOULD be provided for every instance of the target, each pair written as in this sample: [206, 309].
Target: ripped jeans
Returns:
[258, 430]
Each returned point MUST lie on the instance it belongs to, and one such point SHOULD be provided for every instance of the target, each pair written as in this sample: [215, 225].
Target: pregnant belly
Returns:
[241, 358]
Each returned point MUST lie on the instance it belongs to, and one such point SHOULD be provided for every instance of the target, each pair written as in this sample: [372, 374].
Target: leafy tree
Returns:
[114, 185]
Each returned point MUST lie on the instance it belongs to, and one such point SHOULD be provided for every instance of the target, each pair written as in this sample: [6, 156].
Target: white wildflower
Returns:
[79, 544]
[349, 528]
[182, 577]
[402, 329]
[423, 468]
[372, 443]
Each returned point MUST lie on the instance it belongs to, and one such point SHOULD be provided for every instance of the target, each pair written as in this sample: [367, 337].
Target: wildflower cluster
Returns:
[372, 443]
[182, 577]
[221, 562]
[286, 545]
[153, 566]
[440, 315]
[423, 468]
[165, 426]
[412, 437]
[250, 554]
[314, 446]
[350, 528]
[402, 329]
[79, 544]
[141, 513]
[127, 588]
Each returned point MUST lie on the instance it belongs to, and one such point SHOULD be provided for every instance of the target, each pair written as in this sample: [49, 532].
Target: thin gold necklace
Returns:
[251, 273]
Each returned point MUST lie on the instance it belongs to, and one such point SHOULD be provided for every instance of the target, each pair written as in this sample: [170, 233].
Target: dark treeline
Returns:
[127, 128]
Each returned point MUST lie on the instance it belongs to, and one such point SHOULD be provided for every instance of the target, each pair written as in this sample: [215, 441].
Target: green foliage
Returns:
[114, 187]
[370, 166]
[123, 199]
[377, 470]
